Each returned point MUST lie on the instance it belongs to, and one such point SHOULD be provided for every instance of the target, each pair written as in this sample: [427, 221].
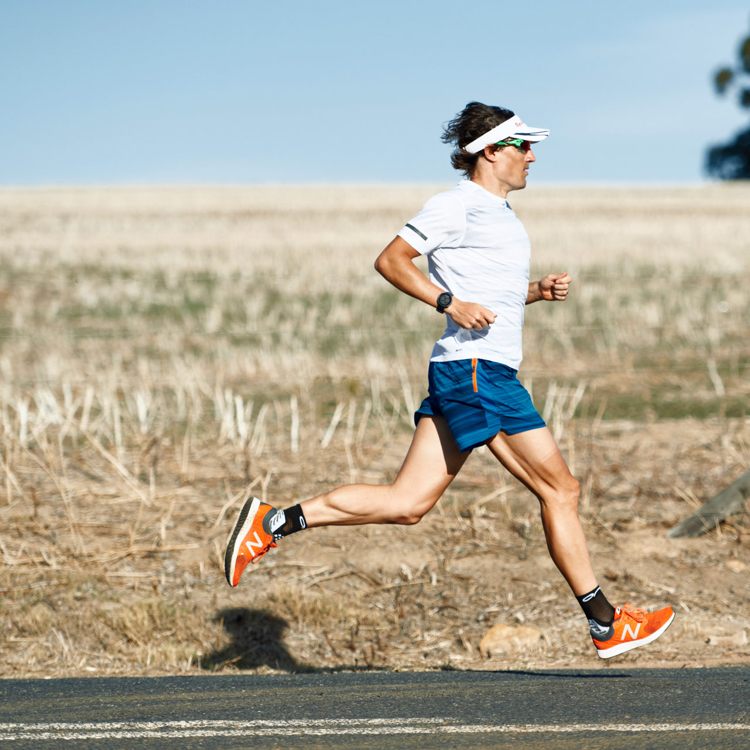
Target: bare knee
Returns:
[410, 510]
[408, 515]
[562, 497]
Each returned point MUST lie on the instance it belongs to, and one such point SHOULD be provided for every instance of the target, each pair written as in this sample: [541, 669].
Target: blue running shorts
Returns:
[478, 398]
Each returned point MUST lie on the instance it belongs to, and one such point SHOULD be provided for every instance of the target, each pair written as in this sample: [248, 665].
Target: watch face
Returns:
[444, 300]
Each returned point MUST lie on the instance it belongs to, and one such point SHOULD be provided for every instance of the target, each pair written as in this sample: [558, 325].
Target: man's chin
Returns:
[520, 185]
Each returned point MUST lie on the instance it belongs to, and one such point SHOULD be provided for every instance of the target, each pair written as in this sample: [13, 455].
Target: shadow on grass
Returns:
[257, 640]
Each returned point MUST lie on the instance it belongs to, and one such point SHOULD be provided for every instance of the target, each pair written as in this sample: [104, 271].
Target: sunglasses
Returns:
[519, 143]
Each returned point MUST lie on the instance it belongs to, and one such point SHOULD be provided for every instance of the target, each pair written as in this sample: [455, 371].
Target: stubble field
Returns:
[165, 351]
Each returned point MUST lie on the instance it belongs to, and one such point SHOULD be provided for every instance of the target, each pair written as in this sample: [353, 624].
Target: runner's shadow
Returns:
[257, 640]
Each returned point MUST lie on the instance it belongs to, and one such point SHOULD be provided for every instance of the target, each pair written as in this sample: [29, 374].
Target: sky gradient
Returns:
[227, 92]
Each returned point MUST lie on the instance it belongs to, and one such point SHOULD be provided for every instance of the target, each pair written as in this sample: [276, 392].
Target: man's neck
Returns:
[491, 185]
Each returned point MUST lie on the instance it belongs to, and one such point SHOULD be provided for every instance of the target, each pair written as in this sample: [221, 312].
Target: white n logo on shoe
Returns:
[627, 628]
[258, 544]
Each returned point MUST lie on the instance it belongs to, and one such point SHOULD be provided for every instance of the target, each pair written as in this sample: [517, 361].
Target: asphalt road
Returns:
[687, 708]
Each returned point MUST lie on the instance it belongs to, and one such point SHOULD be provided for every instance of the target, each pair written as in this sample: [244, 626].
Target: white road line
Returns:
[212, 723]
[71, 731]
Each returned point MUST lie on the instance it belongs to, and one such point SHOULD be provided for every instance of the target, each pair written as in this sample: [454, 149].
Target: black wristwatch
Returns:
[443, 301]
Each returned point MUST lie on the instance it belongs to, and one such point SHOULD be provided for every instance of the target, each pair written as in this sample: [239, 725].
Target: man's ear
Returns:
[490, 153]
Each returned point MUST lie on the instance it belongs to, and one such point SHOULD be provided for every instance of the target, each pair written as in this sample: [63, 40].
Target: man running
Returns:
[478, 256]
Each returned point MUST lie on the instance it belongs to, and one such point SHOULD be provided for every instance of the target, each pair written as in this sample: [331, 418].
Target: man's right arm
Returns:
[396, 265]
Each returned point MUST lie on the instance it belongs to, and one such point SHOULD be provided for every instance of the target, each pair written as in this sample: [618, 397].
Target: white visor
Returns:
[513, 128]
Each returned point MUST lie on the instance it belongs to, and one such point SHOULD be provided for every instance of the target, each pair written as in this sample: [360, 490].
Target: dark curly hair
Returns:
[473, 120]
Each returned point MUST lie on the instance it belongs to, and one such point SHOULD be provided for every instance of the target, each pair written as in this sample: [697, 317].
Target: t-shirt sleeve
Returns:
[441, 222]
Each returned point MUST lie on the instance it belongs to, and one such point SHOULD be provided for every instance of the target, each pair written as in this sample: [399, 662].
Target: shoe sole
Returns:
[240, 530]
[623, 647]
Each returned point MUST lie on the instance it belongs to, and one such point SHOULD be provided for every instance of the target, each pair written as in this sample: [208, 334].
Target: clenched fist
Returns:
[470, 314]
[554, 287]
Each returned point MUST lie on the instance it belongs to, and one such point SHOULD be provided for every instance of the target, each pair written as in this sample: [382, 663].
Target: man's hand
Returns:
[470, 314]
[554, 287]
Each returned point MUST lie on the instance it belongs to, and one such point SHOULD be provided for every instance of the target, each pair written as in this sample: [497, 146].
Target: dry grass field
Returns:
[165, 351]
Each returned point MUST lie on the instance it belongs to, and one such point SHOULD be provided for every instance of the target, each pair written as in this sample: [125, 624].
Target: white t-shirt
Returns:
[478, 250]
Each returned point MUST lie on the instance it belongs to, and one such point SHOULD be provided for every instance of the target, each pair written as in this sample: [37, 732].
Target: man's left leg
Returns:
[534, 458]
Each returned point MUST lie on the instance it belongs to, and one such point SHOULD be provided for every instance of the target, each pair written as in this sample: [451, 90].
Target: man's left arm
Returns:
[551, 288]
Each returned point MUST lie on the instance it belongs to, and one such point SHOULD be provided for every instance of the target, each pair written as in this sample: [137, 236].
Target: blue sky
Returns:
[223, 91]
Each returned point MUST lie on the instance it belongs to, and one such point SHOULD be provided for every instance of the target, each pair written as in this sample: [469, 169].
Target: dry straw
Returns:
[163, 352]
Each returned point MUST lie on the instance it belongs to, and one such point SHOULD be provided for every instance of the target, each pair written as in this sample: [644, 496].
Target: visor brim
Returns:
[513, 128]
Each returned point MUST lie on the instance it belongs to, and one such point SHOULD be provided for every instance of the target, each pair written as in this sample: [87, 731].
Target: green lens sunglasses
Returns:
[519, 143]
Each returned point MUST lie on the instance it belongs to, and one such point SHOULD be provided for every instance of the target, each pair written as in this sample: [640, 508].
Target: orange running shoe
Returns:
[633, 627]
[249, 539]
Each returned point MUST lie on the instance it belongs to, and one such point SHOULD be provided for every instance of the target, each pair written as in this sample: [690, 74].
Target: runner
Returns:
[478, 257]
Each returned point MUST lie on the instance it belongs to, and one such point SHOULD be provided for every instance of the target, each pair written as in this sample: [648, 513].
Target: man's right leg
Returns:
[433, 460]
[534, 458]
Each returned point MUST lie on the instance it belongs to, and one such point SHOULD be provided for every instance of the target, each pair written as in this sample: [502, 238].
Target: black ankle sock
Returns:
[598, 610]
[281, 523]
